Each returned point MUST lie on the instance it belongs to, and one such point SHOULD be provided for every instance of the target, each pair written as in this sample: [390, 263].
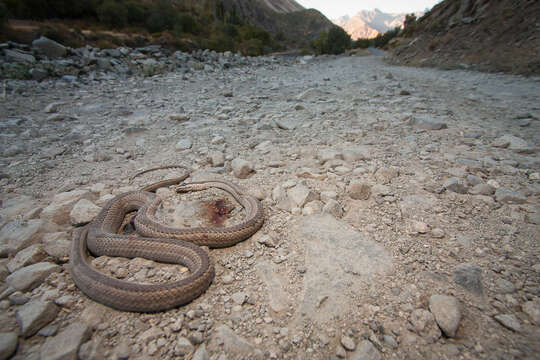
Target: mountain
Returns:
[502, 36]
[367, 24]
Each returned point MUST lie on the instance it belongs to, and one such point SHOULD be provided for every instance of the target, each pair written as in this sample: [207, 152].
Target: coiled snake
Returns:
[156, 242]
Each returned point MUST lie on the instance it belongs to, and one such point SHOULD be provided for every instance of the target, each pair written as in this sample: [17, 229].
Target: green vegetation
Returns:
[209, 24]
[335, 41]
[380, 41]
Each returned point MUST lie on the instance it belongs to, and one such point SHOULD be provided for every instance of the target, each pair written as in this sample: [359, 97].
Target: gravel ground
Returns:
[401, 205]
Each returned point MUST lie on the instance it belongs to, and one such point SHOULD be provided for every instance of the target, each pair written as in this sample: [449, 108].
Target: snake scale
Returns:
[155, 241]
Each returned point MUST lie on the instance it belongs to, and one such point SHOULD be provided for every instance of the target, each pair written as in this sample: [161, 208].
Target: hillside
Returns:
[250, 26]
[367, 24]
[502, 36]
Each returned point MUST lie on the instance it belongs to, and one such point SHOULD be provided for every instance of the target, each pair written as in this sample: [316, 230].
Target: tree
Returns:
[335, 41]
[113, 14]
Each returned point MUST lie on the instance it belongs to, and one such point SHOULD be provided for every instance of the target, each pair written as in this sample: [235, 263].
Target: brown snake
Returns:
[156, 242]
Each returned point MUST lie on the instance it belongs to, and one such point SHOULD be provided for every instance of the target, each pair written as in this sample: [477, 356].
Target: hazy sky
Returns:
[336, 8]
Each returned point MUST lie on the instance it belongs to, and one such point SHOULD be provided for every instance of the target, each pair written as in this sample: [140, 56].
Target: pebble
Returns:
[447, 313]
[8, 344]
[183, 346]
[482, 189]
[359, 191]
[509, 321]
[427, 122]
[183, 144]
[391, 341]
[239, 298]
[241, 168]
[34, 315]
[348, 343]
[366, 351]
[455, 185]
[180, 117]
[334, 208]
[424, 325]
[217, 158]
[385, 175]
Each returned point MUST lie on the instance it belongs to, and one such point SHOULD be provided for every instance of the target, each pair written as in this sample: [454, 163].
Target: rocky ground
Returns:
[402, 216]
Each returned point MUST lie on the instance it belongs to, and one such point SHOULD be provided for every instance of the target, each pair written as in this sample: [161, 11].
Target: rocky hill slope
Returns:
[481, 34]
[367, 24]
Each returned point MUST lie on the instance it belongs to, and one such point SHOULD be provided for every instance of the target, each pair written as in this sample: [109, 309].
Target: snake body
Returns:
[156, 242]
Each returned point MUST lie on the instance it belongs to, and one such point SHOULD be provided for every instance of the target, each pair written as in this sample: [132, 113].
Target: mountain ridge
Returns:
[367, 24]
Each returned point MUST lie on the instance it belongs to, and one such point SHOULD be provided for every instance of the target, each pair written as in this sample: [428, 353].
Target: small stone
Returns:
[505, 287]
[469, 277]
[228, 279]
[179, 117]
[482, 189]
[301, 195]
[509, 321]
[424, 325]
[390, 341]
[325, 155]
[34, 315]
[183, 346]
[513, 143]
[419, 227]
[340, 352]
[385, 175]
[66, 344]
[328, 195]
[348, 343]
[30, 277]
[57, 245]
[508, 196]
[447, 314]
[62, 204]
[122, 351]
[65, 301]
[286, 124]
[356, 154]
[30, 255]
[359, 191]
[18, 298]
[8, 344]
[196, 337]
[49, 330]
[239, 298]
[183, 144]
[532, 308]
[534, 176]
[267, 240]
[217, 158]
[241, 168]
[428, 123]
[533, 218]
[53, 107]
[455, 185]
[334, 208]
[437, 233]
[83, 212]
[366, 351]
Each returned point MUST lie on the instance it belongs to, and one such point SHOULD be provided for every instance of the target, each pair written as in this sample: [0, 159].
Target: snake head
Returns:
[182, 188]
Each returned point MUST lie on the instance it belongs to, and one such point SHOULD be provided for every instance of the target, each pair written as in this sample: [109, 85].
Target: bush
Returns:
[136, 13]
[163, 16]
[3, 14]
[335, 41]
[113, 14]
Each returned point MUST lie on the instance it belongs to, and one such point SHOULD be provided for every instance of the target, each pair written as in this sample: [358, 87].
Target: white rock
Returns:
[241, 168]
[183, 144]
[447, 313]
[83, 212]
[301, 195]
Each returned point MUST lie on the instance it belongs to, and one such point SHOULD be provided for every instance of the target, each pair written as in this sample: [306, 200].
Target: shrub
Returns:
[136, 13]
[3, 14]
[335, 41]
[163, 16]
[113, 14]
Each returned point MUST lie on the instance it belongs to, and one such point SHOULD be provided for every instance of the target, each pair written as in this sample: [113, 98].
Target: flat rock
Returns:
[508, 196]
[513, 143]
[83, 212]
[482, 189]
[30, 277]
[183, 144]
[532, 308]
[447, 313]
[8, 344]
[366, 351]
[31, 255]
[325, 155]
[333, 208]
[34, 315]
[428, 123]
[241, 168]
[17, 235]
[509, 321]
[277, 297]
[469, 277]
[66, 344]
[337, 258]
[359, 191]
[233, 344]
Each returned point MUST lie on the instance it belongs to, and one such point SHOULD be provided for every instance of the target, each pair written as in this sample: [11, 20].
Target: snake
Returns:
[157, 242]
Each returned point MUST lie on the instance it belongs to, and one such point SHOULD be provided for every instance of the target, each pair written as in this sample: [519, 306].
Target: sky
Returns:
[336, 8]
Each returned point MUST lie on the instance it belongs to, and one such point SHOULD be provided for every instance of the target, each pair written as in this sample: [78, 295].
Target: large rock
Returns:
[340, 265]
[447, 314]
[83, 212]
[8, 344]
[34, 315]
[513, 143]
[61, 205]
[18, 56]
[65, 345]
[358, 190]
[30, 277]
[49, 48]
[508, 196]
[17, 235]
[233, 344]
